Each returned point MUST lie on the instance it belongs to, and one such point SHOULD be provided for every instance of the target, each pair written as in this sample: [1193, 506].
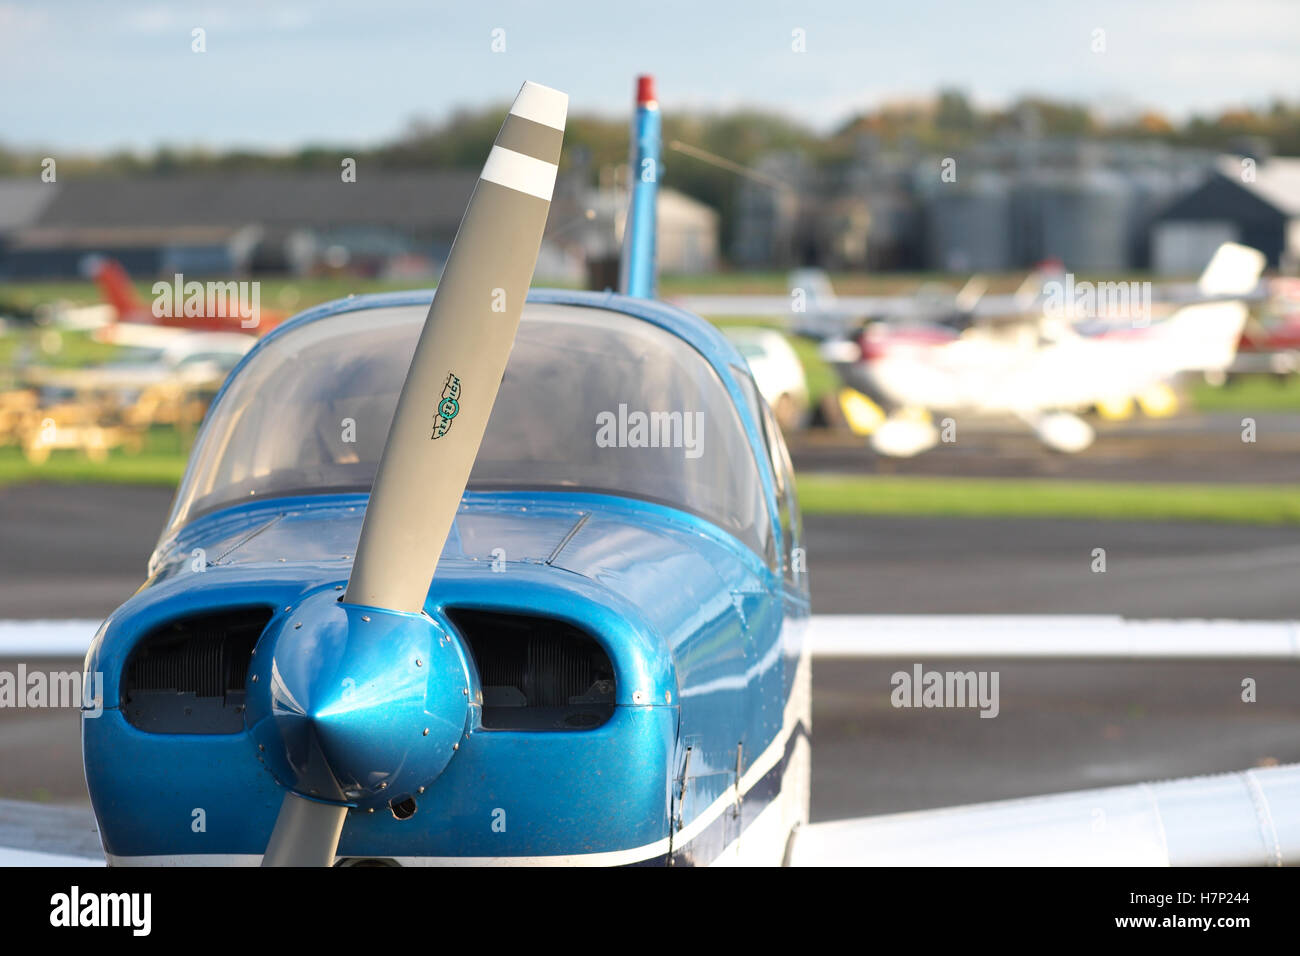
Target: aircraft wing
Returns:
[779, 306]
[1250, 818]
[1236, 819]
[140, 334]
[32, 834]
[84, 317]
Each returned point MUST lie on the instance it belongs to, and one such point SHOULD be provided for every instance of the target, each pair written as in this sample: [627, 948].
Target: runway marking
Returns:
[1097, 637]
[28, 639]
[904, 636]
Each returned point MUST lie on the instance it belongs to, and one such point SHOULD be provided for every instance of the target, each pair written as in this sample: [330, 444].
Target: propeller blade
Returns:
[459, 360]
[306, 833]
[437, 428]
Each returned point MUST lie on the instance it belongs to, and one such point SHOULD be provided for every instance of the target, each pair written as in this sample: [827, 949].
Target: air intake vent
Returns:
[187, 677]
[537, 673]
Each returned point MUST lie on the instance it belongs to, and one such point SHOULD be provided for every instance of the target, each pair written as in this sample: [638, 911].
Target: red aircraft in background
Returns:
[1271, 342]
[218, 312]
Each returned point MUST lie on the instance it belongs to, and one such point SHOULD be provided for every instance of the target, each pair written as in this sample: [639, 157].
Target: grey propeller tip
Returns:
[541, 104]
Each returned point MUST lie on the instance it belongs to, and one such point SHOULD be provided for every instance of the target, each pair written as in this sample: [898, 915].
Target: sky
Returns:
[94, 75]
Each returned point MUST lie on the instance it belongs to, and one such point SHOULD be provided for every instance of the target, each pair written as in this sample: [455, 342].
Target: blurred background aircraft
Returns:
[1044, 369]
[136, 323]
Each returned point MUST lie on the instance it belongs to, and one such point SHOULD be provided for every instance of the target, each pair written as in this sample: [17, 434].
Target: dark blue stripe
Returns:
[708, 845]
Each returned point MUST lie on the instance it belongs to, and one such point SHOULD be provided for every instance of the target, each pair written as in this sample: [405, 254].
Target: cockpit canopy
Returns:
[592, 400]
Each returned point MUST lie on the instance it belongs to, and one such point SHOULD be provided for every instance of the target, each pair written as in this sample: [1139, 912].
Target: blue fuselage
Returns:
[704, 635]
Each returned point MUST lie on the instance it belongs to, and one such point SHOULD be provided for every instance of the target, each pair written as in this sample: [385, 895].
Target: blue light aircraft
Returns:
[491, 580]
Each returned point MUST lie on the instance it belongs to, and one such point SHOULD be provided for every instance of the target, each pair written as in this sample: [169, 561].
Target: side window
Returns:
[758, 408]
[793, 564]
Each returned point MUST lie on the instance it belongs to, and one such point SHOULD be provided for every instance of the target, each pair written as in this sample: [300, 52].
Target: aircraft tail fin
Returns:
[969, 295]
[1203, 337]
[115, 286]
[1233, 270]
[638, 269]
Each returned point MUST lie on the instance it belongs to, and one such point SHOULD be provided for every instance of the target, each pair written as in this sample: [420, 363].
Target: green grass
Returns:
[839, 495]
[51, 347]
[1048, 498]
[822, 379]
[161, 462]
[1249, 393]
[289, 293]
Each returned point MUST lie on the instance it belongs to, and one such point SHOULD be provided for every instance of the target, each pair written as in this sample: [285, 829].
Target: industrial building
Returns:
[1243, 199]
[386, 223]
[1006, 204]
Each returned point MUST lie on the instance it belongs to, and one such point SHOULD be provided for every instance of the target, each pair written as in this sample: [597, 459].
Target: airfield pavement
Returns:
[77, 551]
[1194, 447]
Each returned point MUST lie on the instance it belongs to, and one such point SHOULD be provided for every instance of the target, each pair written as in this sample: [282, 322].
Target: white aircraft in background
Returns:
[1043, 373]
[817, 312]
[812, 308]
[194, 359]
[777, 372]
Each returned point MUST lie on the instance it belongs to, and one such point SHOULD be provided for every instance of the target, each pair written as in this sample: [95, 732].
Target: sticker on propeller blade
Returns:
[448, 407]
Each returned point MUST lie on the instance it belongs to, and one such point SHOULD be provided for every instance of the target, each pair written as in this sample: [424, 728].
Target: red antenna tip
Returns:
[645, 90]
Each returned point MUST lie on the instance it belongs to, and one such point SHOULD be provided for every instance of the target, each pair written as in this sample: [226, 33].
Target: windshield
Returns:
[592, 400]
